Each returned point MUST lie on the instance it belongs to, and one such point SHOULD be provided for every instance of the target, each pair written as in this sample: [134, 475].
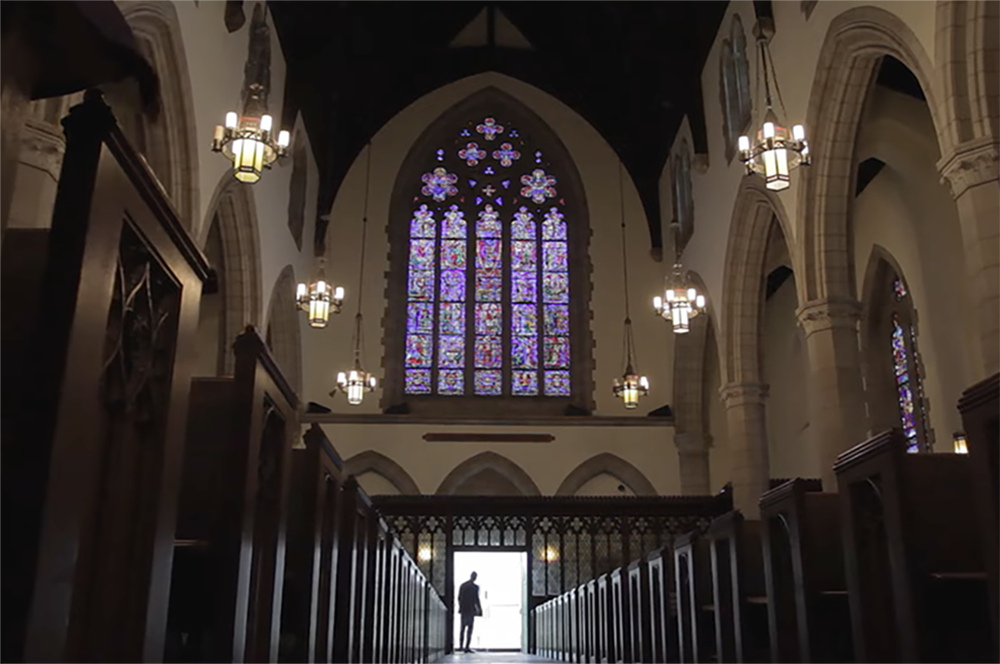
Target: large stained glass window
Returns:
[907, 377]
[488, 296]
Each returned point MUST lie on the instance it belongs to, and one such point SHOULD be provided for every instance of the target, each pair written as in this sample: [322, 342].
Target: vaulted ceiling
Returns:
[631, 69]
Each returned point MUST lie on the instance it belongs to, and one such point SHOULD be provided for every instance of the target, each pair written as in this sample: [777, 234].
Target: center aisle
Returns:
[494, 658]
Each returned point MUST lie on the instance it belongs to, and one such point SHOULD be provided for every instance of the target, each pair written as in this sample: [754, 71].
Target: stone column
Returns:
[692, 454]
[747, 419]
[837, 417]
[971, 172]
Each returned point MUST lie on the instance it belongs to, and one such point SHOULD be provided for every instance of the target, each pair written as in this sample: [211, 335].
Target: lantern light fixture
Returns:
[775, 152]
[249, 142]
[319, 298]
[680, 303]
[357, 382]
[631, 386]
[960, 444]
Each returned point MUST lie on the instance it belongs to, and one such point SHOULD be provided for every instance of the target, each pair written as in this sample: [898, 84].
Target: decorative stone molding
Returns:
[42, 146]
[744, 394]
[612, 465]
[371, 461]
[819, 315]
[486, 461]
[693, 442]
[971, 164]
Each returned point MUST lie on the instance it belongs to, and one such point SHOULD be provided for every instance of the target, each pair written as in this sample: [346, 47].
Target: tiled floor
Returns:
[494, 657]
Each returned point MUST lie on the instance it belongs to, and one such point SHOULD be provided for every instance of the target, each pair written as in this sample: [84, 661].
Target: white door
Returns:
[501, 580]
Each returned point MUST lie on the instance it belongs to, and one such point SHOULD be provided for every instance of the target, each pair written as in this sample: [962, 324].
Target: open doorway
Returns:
[502, 581]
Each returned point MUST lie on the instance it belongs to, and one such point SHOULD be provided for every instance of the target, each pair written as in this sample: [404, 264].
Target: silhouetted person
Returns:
[468, 607]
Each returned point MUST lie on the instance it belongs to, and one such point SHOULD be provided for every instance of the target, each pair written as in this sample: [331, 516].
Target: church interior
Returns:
[677, 322]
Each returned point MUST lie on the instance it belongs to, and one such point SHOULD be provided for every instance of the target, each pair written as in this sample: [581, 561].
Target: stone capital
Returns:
[829, 313]
[971, 163]
[744, 394]
[693, 442]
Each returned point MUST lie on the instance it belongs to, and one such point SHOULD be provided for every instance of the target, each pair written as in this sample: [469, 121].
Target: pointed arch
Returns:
[571, 201]
[848, 63]
[282, 330]
[234, 211]
[371, 461]
[754, 214]
[611, 464]
[170, 140]
[488, 462]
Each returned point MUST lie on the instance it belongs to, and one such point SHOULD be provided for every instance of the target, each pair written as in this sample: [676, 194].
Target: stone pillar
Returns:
[692, 454]
[16, 74]
[971, 172]
[837, 418]
[747, 419]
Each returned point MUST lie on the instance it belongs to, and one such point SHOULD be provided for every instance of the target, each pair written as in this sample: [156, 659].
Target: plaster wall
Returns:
[604, 484]
[374, 484]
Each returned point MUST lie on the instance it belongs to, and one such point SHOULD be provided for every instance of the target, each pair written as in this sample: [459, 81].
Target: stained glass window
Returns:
[909, 390]
[488, 285]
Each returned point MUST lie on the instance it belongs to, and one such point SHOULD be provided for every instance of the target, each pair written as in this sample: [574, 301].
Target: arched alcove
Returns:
[610, 464]
[488, 473]
[371, 461]
[282, 330]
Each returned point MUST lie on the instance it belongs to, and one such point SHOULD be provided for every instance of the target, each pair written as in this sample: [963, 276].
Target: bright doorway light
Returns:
[502, 578]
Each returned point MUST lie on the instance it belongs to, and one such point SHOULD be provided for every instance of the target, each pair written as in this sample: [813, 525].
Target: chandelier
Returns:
[775, 152]
[249, 143]
[631, 386]
[319, 298]
[357, 382]
[680, 302]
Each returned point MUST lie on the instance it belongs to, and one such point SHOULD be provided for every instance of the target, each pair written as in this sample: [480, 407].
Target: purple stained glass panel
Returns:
[421, 285]
[554, 228]
[451, 352]
[557, 383]
[421, 254]
[419, 318]
[524, 320]
[522, 255]
[524, 352]
[454, 225]
[489, 319]
[489, 286]
[453, 285]
[901, 367]
[419, 350]
[453, 254]
[899, 288]
[523, 226]
[452, 318]
[451, 382]
[422, 225]
[489, 353]
[554, 258]
[489, 383]
[524, 383]
[489, 224]
[556, 319]
[488, 254]
[555, 288]
[524, 287]
[556, 353]
[418, 381]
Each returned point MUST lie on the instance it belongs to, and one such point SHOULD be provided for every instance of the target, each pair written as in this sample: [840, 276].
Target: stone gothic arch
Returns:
[282, 329]
[611, 464]
[488, 469]
[371, 461]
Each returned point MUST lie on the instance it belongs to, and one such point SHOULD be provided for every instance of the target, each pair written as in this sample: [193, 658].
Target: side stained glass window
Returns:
[909, 388]
[488, 270]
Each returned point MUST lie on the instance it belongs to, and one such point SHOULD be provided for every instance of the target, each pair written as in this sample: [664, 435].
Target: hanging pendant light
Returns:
[631, 386]
[249, 143]
[681, 301]
[775, 152]
[357, 382]
[319, 298]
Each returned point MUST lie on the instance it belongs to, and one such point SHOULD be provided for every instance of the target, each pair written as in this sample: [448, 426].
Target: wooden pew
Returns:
[639, 632]
[231, 524]
[98, 355]
[311, 551]
[980, 408]
[808, 612]
[696, 624]
[603, 615]
[739, 591]
[662, 619]
[912, 554]
[621, 617]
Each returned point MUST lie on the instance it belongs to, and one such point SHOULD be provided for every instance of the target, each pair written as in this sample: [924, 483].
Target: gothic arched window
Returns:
[490, 273]
[734, 85]
[683, 198]
[908, 381]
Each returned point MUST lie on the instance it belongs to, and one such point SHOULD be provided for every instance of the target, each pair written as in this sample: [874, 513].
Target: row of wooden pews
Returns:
[900, 565]
[152, 516]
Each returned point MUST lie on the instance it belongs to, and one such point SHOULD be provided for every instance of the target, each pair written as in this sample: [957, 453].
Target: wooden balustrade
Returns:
[696, 608]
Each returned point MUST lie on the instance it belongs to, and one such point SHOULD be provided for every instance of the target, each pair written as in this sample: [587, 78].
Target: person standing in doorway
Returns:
[468, 607]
